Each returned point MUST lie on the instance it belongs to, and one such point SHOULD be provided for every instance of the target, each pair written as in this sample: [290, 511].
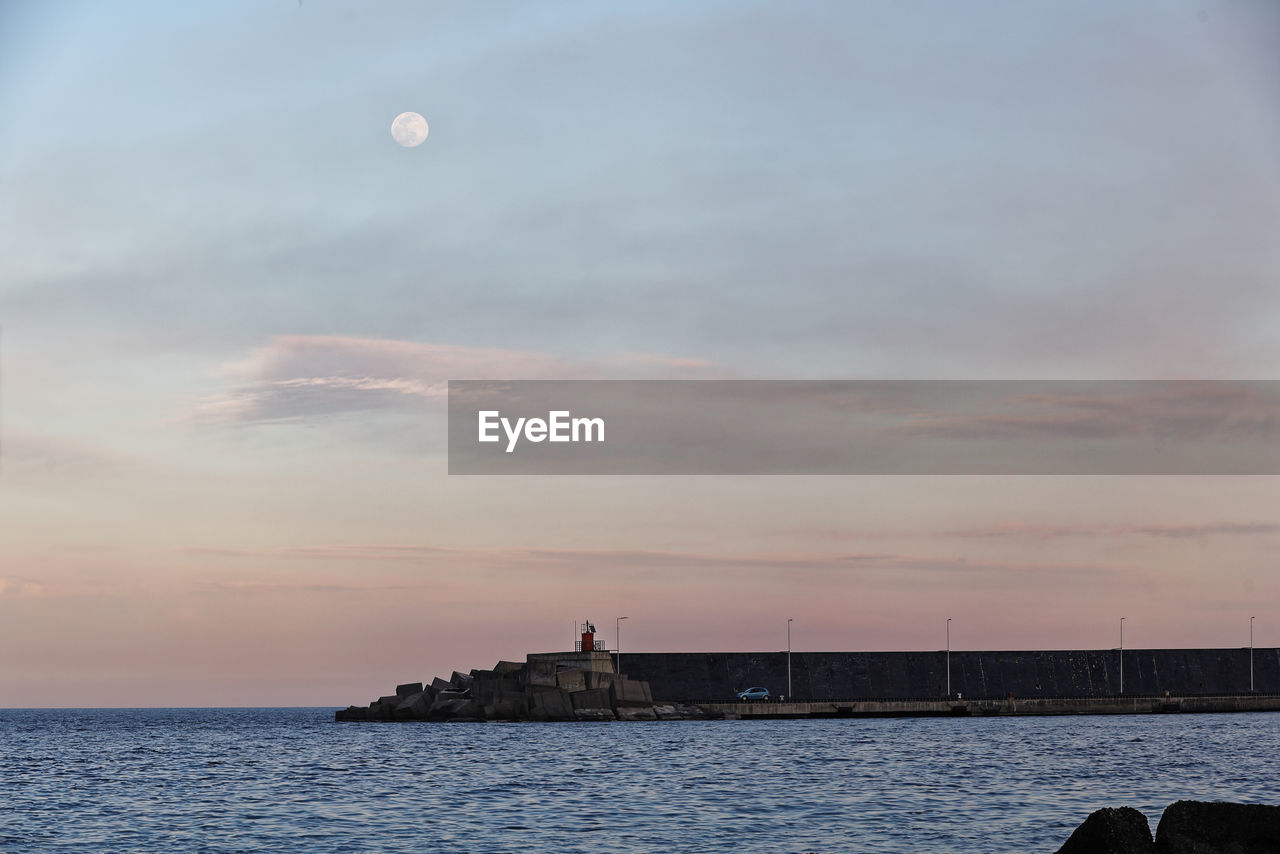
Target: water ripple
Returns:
[266, 780]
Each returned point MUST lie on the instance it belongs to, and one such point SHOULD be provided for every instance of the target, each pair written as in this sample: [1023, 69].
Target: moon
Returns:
[409, 129]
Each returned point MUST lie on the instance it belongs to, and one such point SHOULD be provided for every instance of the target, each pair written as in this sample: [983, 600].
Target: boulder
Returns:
[1198, 827]
[572, 680]
[595, 715]
[1111, 831]
[679, 712]
[408, 689]
[636, 713]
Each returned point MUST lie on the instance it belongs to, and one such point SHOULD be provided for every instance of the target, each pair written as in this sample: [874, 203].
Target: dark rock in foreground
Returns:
[1196, 827]
[1111, 831]
[1187, 827]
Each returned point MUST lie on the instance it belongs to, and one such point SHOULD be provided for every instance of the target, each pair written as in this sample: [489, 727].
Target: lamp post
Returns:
[617, 641]
[948, 658]
[1122, 655]
[789, 656]
[1251, 655]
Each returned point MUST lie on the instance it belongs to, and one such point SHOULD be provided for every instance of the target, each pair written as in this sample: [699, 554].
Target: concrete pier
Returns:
[685, 676]
[767, 710]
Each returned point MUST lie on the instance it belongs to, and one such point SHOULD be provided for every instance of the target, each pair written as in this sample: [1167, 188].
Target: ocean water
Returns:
[274, 780]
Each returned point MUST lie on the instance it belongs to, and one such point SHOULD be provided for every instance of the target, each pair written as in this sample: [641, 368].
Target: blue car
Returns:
[754, 694]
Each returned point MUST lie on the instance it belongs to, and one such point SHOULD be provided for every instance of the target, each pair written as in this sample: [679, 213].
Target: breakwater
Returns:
[668, 686]
[689, 676]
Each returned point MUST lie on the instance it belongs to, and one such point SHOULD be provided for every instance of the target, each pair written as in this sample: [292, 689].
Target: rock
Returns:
[572, 680]
[679, 712]
[595, 715]
[636, 713]
[408, 689]
[1198, 827]
[1111, 831]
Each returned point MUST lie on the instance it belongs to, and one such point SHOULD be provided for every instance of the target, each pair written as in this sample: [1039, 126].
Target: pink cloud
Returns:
[298, 376]
[1024, 530]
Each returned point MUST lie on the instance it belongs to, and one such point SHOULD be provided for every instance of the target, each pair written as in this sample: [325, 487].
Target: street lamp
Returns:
[1251, 655]
[789, 656]
[1122, 655]
[617, 641]
[948, 658]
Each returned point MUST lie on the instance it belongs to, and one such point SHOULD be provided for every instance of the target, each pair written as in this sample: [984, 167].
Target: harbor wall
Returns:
[694, 676]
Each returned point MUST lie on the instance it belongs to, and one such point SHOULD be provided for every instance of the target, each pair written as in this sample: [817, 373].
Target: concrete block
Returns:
[599, 679]
[550, 704]
[593, 698]
[438, 685]
[539, 673]
[461, 681]
[408, 689]
[511, 667]
[443, 710]
[352, 713]
[572, 680]
[491, 687]
[628, 692]
[414, 708]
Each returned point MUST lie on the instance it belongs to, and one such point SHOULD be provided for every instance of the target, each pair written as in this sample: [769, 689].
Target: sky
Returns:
[230, 304]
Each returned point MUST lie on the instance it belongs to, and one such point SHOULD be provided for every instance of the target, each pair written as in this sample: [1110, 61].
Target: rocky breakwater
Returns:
[1187, 827]
[536, 690]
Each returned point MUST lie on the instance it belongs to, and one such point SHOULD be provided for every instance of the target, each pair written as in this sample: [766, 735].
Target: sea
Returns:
[284, 780]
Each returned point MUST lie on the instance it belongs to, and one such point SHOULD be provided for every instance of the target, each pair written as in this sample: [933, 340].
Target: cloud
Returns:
[1177, 532]
[53, 454]
[595, 560]
[301, 376]
[12, 587]
[1190, 410]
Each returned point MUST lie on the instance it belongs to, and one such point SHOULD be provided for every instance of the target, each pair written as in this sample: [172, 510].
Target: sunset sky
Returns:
[230, 303]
